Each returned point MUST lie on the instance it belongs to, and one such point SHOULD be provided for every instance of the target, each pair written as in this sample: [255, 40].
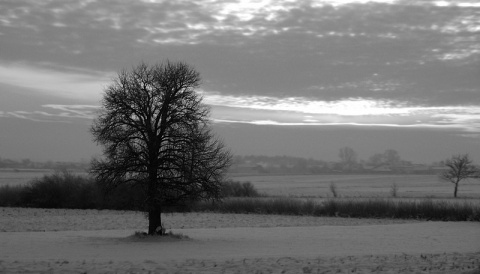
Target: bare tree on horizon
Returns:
[459, 167]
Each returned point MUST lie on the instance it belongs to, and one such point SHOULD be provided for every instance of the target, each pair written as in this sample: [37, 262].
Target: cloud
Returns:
[56, 113]
[345, 124]
[84, 28]
[348, 112]
[63, 82]
[344, 107]
[75, 111]
[296, 111]
[376, 62]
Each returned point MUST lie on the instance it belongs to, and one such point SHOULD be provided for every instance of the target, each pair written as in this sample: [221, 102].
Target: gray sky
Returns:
[301, 78]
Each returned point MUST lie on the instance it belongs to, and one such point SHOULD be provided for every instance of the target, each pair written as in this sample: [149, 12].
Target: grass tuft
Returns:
[394, 190]
[169, 234]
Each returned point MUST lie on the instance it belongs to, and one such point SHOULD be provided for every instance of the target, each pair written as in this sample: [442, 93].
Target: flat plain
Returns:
[93, 241]
[102, 241]
[318, 185]
[360, 185]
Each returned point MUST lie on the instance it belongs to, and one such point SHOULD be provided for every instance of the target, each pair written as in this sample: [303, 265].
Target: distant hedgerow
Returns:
[67, 190]
[351, 208]
[238, 189]
[61, 190]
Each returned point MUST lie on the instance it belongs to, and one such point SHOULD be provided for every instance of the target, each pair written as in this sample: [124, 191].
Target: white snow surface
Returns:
[317, 245]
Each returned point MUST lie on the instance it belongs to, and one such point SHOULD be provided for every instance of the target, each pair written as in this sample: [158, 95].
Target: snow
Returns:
[233, 244]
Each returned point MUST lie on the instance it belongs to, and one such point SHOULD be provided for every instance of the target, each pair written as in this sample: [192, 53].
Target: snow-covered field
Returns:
[91, 241]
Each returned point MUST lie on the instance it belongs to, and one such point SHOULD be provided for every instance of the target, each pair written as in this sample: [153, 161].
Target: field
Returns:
[318, 186]
[13, 178]
[92, 241]
[364, 186]
[101, 241]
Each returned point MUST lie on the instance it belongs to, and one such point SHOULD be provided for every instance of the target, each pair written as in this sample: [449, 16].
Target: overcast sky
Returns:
[287, 77]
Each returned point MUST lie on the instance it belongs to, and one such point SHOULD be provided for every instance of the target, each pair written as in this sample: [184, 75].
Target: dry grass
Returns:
[426, 209]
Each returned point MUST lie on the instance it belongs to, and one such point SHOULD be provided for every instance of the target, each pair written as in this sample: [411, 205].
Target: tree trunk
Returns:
[155, 222]
[154, 209]
[455, 191]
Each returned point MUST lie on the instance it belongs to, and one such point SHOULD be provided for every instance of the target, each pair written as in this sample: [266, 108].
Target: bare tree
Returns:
[459, 167]
[348, 156]
[376, 159]
[155, 134]
[391, 157]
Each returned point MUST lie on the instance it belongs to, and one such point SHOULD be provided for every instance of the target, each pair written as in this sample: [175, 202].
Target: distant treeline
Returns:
[388, 161]
[296, 165]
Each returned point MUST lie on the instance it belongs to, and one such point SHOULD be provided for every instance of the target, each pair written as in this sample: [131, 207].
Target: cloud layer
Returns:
[353, 111]
[56, 113]
[398, 63]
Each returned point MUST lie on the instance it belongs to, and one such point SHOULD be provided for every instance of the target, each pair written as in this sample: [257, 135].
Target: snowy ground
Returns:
[79, 241]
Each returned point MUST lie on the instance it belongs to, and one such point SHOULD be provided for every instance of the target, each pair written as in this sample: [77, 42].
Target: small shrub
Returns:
[58, 190]
[394, 190]
[61, 190]
[238, 189]
[333, 189]
[143, 235]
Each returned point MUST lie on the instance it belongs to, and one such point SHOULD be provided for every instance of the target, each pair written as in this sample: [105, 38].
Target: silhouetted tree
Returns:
[155, 133]
[459, 167]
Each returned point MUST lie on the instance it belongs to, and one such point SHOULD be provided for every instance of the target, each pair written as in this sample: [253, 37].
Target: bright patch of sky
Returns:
[57, 113]
[463, 4]
[350, 111]
[76, 85]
